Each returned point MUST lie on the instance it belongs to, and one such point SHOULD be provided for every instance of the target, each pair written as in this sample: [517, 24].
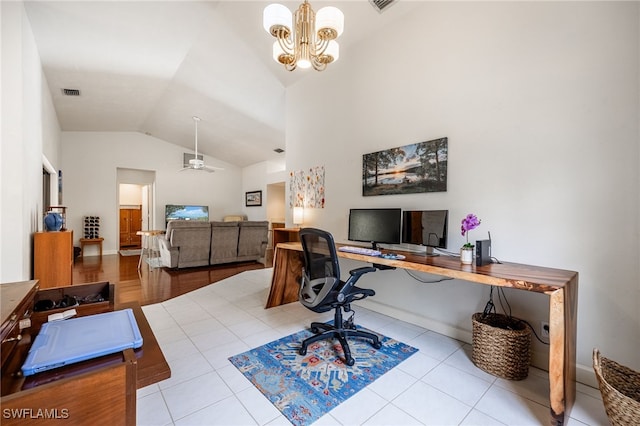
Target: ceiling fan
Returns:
[196, 163]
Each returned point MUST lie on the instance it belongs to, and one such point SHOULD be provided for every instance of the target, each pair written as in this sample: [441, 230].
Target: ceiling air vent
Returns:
[381, 5]
[71, 92]
[279, 150]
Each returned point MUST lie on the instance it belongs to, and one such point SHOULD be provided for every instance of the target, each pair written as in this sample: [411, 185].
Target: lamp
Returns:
[298, 216]
[310, 41]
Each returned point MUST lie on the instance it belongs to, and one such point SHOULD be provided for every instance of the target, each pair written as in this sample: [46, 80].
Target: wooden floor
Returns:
[150, 286]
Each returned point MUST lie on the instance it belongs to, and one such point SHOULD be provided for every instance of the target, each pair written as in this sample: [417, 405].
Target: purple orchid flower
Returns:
[470, 222]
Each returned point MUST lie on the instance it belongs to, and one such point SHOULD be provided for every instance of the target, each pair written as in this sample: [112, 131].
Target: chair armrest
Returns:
[164, 243]
[362, 270]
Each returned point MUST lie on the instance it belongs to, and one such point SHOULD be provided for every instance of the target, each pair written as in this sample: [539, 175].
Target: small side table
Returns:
[149, 242]
[89, 241]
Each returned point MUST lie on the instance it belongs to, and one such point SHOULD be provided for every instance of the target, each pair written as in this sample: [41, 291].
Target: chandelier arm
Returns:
[290, 67]
[320, 47]
[318, 67]
[285, 42]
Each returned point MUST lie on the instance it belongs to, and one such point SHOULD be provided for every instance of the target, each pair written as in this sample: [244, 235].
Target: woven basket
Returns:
[501, 345]
[620, 389]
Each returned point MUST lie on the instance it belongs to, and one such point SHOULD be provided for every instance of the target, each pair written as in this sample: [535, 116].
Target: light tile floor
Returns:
[438, 385]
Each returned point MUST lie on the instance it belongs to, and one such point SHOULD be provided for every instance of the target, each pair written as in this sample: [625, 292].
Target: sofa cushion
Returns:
[252, 241]
[193, 241]
[224, 242]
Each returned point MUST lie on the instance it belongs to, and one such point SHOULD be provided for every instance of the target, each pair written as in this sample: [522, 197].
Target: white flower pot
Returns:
[466, 256]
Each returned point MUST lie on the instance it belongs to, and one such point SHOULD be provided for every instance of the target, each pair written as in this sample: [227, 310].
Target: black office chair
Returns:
[322, 290]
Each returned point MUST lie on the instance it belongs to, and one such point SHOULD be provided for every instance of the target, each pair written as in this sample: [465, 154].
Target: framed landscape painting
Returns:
[419, 167]
[253, 198]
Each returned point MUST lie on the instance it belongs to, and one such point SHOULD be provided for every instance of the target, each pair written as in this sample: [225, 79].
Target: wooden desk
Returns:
[99, 391]
[152, 365]
[560, 285]
[90, 241]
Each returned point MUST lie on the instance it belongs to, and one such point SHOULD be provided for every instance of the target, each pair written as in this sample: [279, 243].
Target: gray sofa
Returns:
[188, 243]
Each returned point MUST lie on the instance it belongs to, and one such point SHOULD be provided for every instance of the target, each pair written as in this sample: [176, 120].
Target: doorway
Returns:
[50, 186]
[276, 204]
[276, 207]
[135, 205]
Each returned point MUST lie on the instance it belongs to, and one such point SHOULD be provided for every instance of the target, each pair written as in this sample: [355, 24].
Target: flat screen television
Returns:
[375, 226]
[426, 228]
[186, 212]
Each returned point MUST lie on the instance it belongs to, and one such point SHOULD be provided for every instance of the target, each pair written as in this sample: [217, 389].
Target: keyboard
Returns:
[360, 250]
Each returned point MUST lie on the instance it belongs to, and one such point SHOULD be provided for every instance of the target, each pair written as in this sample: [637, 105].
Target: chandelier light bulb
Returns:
[304, 63]
[276, 16]
[330, 18]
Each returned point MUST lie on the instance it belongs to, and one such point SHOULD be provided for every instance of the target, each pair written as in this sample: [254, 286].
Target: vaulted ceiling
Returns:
[149, 66]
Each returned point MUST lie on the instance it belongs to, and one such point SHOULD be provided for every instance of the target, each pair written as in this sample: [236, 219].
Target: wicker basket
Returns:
[501, 345]
[620, 389]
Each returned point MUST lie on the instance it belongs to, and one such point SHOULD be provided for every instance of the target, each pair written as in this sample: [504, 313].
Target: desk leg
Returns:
[285, 281]
[562, 351]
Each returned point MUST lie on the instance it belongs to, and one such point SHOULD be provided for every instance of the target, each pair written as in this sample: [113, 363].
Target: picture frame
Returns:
[408, 169]
[253, 198]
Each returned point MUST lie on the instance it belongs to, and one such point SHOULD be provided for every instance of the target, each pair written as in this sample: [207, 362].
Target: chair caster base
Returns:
[302, 351]
[350, 362]
[377, 345]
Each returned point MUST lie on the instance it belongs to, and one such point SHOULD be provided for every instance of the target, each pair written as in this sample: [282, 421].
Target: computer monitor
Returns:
[426, 228]
[375, 226]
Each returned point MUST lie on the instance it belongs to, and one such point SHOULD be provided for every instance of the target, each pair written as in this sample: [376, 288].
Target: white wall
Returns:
[28, 123]
[90, 161]
[540, 105]
[256, 178]
[130, 194]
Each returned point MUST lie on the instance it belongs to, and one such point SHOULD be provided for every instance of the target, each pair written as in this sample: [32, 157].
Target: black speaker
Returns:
[483, 252]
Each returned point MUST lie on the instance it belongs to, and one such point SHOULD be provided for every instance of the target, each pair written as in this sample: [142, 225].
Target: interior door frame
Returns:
[147, 181]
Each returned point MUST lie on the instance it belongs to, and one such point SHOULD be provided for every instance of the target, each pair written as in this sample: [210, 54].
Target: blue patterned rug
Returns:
[304, 388]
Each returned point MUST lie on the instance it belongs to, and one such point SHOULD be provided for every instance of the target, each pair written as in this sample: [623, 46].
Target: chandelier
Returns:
[304, 38]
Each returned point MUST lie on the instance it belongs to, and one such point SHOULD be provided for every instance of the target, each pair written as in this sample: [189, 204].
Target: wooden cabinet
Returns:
[285, 235]
[130, 224]
[101, 391]
[53, 258]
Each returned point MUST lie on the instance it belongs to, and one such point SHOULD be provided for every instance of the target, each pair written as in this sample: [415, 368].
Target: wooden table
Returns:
[560, 285]
[90, 241]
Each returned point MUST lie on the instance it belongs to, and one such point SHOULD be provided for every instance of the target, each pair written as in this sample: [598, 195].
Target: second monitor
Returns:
[425, 227]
